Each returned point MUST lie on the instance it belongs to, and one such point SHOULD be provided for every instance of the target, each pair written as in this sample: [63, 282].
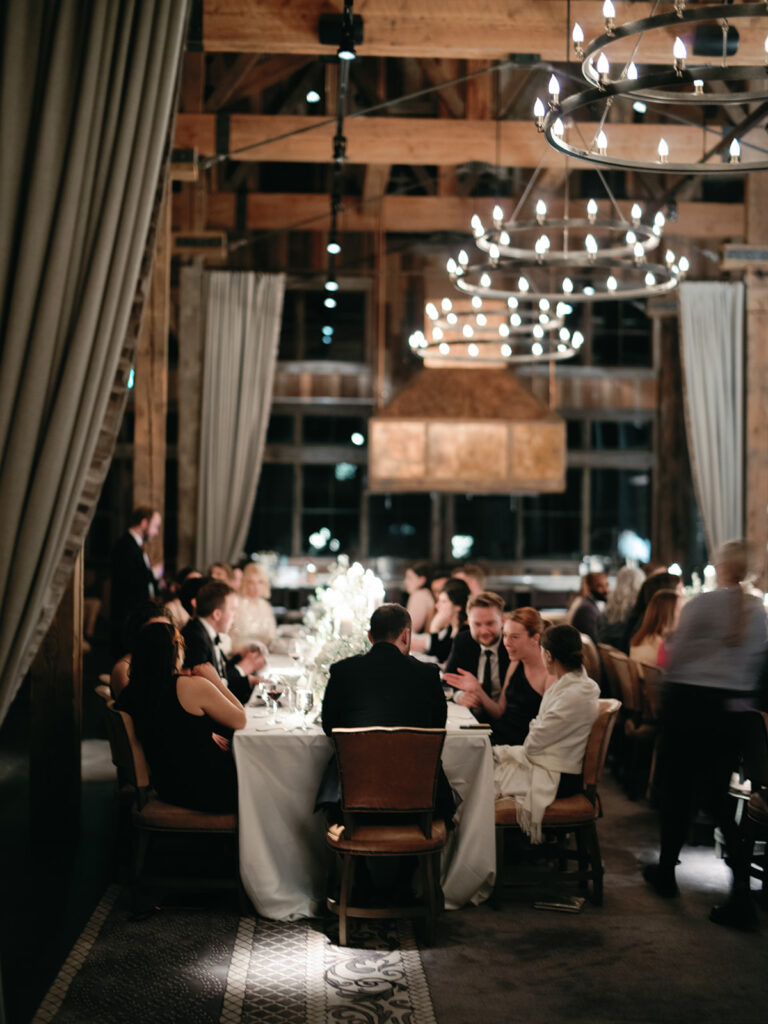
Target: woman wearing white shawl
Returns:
[557, 737]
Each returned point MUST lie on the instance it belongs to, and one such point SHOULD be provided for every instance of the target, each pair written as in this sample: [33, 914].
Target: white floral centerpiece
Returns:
[338, 617]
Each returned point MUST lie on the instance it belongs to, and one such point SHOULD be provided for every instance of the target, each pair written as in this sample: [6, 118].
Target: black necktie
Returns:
[487, 673]
[220, 666]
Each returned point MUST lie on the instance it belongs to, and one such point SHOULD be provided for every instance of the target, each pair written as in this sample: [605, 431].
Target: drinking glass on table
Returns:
[275, 687]
[305, 700]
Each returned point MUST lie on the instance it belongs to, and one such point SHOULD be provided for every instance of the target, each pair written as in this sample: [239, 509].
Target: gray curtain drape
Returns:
[712, 348]
[242, 330]
[86, 102]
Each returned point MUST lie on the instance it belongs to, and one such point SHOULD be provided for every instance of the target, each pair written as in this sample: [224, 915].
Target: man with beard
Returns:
[132, 575]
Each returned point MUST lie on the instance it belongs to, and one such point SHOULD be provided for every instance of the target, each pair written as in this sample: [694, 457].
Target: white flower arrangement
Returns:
[338, 617]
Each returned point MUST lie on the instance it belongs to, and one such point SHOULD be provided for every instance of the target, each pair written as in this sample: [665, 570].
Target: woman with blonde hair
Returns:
[255, 620]
[659, 621]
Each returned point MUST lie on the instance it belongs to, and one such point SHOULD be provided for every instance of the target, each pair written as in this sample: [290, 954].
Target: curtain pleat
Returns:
[712, 337]
[242, 330]
[79, 185]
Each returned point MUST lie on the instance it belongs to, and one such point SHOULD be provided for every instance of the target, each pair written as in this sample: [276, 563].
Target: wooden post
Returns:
[151, 387]
[56, 680]
[189, 377]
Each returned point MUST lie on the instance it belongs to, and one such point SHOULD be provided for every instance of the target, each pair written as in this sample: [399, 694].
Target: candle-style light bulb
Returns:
[765, 47]
[639, 253]
[452, 318]
[504, 330]
[473, 350]
[512, 302]
[630, 238]
[431, 310]
[437, 334]
[554, 88]
[446, 305]
[564, 334]
[477, 302]
[537, 348]
[684, 265]
[541, 211]
[516, 320]
[735, 152]
[602, 143]
[467, 331]
[679, 52]
[636, 213]
[498, 216]
[591, 246]
[659, 220]
[558, 129]
[444, 348]
[450, 266]
[567, 285]
[650, 280]
[578, 38]
[463, 257]
[609, 13]
[578, 339]
[544, 305]
[538, 331]
[611, 284]
[669, 257]
[632, 71]
[506, 350]
[477, 226]
[698, 87]
[485, 280]
[493, 252]
[481, 319]
[603, 68]
[591, 210]
[539, 112]
[523, 285]
[663, 151]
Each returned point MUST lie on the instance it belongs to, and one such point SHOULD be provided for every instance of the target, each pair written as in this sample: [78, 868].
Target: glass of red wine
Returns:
[275, 688]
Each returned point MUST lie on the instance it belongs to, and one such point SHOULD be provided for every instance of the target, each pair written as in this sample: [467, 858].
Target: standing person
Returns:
[587, 608]
[479, 652]
[421, 604]
[715, 657]
[216, 605]
[133, 577]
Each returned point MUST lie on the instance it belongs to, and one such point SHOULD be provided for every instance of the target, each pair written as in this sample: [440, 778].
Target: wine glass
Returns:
[305, 700]
[275, 688]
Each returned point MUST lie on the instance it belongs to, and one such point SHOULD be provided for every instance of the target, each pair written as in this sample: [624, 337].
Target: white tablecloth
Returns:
[283, 857]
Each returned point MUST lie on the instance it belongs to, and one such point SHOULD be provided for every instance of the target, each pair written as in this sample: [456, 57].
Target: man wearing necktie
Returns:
[134, 580]
[216, 610]
[479, 651]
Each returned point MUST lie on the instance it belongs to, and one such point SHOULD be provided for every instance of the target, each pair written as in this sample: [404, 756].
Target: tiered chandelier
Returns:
[684, 83]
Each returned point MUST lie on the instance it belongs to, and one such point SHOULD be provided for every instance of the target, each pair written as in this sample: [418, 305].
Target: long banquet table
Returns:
[283, 859]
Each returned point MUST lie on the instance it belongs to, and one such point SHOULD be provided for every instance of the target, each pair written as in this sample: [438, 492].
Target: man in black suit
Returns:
[479, 652]
[216, 610]
[133, 580]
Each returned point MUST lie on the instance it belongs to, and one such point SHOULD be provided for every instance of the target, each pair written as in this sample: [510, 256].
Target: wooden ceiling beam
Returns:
[411, 140]
[486, 30]
[425, 214]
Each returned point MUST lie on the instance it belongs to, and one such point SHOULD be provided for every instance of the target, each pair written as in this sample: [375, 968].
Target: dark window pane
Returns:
[331, 516]
[334, 430]
[625, 436]
[552, 522]
[621, 335]
[490, 521]
[399, 525]
[271, 521]
[621, 500]
[304, 317]
[280, 430]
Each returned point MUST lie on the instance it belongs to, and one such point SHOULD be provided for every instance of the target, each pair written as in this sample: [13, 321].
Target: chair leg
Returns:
[430, 897]
[498, 887]
[596, 863]
[347, 877]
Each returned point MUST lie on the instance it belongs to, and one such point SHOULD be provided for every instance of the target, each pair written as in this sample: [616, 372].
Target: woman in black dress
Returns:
[450, 616]
[183, 722]
[525, 682]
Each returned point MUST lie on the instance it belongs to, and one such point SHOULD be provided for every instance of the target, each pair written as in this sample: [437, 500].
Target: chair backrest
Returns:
[127, 753]
[597, 744]
[651, 691]
[629, 680]
[609, 671]
[591, 658]
[388, 769]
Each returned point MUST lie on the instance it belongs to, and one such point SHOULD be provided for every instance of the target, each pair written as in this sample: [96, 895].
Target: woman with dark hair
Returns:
[450, 616]
[659, 621]
[421, 604]
[179, 720]
[548, 763]
[148, 611]
[524, 684]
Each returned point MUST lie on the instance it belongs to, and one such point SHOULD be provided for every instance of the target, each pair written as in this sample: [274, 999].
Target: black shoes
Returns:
[662, 881]
[739, 912]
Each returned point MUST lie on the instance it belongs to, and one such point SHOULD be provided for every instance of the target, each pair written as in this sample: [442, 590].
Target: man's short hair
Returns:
[474, 571]
[212, 596]
[486, 599]
[142, 512]
[388, 622]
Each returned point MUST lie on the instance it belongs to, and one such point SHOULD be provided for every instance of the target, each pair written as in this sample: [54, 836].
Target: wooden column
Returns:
[756, 382]
[190, 378]
[151, 384]
[56, 680]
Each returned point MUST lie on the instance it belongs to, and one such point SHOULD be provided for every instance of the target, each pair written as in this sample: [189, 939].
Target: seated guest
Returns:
[174, 605]
[178, 720]
[440, 577]
[216, 610]
[384, 687]
[479, 652]
[658, 581]
[612, 624]
[450, 616]
[659, 621]
[525, 682]
[548, 764]
[587, 608]
[473, 575]
[255, 620]
[221, 571]
[149, 611]
[421, 604]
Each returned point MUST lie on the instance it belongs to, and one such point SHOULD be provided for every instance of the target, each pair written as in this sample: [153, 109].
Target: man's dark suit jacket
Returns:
[132, 583]
[383, 687]
[199, 649]
[465, 654]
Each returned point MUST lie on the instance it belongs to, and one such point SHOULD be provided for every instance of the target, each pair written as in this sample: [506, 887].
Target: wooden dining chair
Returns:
[152, 816]
[568, 816]
[651, 709]
[591, 658]
[388, 782]
[639, 735]
[610, 679]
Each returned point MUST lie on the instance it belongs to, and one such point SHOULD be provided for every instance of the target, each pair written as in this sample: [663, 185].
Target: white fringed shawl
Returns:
[555, 743]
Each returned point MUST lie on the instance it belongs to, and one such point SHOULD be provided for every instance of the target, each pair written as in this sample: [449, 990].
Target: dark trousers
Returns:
[699, 749]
